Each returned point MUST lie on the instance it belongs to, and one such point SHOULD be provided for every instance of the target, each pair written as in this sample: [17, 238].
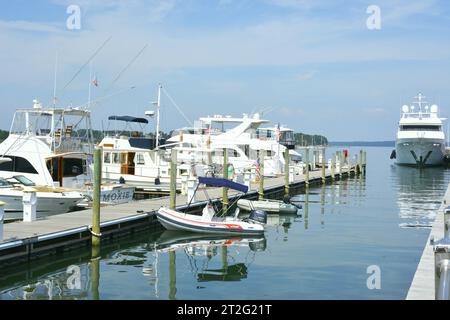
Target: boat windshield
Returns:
[4, 183]
[24, 180]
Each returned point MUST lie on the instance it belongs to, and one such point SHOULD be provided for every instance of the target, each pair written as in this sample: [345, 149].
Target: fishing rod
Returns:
[85, 64]
[126, 67]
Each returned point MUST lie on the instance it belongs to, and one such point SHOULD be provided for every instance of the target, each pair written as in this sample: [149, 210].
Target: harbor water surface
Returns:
[342, 234]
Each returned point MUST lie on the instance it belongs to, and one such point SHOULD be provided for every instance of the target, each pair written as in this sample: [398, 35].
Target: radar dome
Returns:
[434, 108]
[405, 108]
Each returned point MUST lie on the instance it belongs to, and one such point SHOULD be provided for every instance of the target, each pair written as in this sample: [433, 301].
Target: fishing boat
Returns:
[268, 205]
[209, 221]
[52, 147]
[50, 201]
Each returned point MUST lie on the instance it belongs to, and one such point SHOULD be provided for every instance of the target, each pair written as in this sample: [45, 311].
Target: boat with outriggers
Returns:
[53, 148]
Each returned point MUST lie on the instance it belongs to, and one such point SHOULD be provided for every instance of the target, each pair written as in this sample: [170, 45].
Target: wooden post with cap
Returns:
[95, 231]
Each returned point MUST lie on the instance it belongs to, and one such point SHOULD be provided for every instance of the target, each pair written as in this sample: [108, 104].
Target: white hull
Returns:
[177, 221]
[47, 204]
[420, 151]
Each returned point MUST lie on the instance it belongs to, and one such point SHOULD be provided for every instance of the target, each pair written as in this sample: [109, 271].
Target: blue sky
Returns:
[313, 64]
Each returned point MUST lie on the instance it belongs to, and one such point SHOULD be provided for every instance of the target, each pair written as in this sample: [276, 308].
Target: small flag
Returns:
[95, 82]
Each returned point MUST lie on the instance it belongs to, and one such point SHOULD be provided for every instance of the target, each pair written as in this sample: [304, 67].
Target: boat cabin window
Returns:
[420, 128]
[269, 153]
[72, 167]
[123, 158]
[107, 157]
[140, 158]
[233, 153]
[116, 157]
[18, 164]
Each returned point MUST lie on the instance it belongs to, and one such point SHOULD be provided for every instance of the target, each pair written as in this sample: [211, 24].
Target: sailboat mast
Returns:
[158, 105]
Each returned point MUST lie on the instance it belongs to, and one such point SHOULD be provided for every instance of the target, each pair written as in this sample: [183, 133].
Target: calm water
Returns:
[323, 254]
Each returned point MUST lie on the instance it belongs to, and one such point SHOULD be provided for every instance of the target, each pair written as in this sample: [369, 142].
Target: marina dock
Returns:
[423, 284]
[59, 233]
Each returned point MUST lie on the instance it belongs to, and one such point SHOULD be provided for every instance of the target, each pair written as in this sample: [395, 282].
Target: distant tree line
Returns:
[303, 139]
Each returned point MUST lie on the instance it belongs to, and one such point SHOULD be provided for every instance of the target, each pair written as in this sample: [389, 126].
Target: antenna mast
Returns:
[54, 83]
[158, 105]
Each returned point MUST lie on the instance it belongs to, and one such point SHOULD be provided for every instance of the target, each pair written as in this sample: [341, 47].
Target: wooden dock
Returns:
[423, 284]
[58, 233]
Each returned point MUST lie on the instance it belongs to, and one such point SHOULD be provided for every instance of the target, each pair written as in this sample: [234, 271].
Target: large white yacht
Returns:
[420, 136]
[244, 140]
[53, 147]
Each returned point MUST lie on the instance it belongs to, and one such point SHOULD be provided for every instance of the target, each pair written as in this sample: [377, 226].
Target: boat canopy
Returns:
[218, 182]
[128, 119]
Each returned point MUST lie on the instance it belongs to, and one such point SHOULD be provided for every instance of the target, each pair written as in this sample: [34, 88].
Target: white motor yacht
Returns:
[420, 136]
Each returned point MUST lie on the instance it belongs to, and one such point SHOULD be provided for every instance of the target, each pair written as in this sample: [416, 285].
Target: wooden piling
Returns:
[364, 162]
[95, 231]
[225, 176]
[360, 161]
[173, 180]
[307, 166]
[95, 272]
[172, 276]
[333, 167]
[323, 165]
[286, 171]
[262, 155]
[349, 165]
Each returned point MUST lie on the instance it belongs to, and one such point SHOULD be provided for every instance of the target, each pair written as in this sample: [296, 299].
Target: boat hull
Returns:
[176, 221]
[420, 152]
[273, 207]
[46, 205]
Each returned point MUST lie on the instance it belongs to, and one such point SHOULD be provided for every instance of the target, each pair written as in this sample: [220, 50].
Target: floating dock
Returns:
[24, 241]
[423, 284]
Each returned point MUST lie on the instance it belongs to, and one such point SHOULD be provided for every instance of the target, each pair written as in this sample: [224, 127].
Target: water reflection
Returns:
[419, 194]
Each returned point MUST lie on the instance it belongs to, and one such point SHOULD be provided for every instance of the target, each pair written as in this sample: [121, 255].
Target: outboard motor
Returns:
[258, 216]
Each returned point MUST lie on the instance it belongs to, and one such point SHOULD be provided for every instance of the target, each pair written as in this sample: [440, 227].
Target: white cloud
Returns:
[305, 75]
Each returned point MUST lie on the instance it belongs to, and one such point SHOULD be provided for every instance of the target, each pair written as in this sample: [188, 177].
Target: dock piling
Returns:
[173, 179]
[307, 166]
[225, 176]
[95, 272]
[286, 171]
[95, 231]
[323, 165]
[333, 166]
[262, 155]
